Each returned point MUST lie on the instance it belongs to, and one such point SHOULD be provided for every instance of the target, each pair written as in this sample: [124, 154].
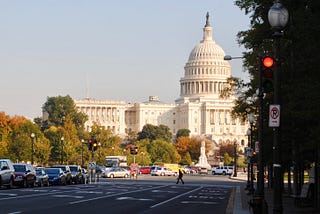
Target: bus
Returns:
[112, 161]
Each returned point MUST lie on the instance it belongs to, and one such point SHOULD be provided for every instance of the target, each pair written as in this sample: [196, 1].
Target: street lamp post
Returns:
[82, 161]
[235, 158]
[32, 145]
[278, 18]
[251, 121]
[248, 159]
[61, 141]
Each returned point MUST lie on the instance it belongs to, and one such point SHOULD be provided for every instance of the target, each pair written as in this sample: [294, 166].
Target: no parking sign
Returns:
[274, 116]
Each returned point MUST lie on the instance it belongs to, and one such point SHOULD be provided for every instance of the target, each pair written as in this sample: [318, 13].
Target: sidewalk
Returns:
[241, 200]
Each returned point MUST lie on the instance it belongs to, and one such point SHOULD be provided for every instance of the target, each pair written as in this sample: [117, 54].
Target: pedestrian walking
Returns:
[180, 177]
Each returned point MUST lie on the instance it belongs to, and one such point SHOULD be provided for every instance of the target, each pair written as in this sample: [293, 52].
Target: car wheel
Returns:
[25, 184]
[111, 176]
[224, 173]
[126, 175]
[40, 184]
[10, 185]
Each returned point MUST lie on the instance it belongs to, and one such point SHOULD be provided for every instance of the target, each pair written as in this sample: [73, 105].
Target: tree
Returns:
[183, 133]
[163, 152]
[152, 132]
[20, 142]
[300, 79]
[58, 108]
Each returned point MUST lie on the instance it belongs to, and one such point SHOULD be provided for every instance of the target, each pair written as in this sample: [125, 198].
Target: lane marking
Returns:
[116, 194]
[178, 196]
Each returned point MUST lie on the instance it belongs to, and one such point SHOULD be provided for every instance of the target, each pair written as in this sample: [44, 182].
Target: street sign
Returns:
[92, 165]
[274, 116]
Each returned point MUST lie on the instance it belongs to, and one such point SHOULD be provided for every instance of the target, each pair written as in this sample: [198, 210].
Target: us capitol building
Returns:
[200, 108]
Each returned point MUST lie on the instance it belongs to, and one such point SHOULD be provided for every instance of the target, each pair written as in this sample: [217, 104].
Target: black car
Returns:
[76, 174]
[66, 170]
[56, 176]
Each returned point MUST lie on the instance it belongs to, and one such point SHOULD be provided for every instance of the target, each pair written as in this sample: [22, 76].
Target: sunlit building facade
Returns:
[199, 108]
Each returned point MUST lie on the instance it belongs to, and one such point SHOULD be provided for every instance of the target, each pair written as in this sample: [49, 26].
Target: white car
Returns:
[158, 170]
[223, 170]
[117, 172]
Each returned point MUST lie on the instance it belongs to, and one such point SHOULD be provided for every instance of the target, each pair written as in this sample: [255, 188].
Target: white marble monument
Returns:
[203, 162]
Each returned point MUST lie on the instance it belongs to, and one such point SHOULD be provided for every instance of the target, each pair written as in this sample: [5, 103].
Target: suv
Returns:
[25, 175]
[6, 173]
[66, 170]
[223, 170]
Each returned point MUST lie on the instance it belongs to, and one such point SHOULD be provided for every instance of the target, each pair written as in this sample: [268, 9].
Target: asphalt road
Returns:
[148, 194]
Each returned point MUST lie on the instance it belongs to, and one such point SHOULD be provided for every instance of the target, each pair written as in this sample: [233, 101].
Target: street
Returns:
[148, 194]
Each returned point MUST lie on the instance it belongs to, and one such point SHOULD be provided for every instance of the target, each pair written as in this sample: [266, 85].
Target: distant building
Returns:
[200, 108]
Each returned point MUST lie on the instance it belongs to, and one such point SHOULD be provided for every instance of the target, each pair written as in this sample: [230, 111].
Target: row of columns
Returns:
[198, 87]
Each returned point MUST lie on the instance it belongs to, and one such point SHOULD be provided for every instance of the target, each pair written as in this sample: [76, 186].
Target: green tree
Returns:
[57, 109]
[183, 133]
[163, 152]
[152, 132]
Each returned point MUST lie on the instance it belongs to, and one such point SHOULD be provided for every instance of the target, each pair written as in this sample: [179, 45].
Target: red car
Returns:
[24, 175]
[144, 170]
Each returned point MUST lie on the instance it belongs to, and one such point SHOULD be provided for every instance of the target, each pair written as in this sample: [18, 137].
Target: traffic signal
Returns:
[95, 145]
[267, 63]
[134, 150]
[90, 144]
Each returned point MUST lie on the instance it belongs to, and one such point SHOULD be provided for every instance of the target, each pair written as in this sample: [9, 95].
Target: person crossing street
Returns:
[180, 177]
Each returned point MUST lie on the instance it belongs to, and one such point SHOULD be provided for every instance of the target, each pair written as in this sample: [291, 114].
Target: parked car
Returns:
[6, 173]
[24, 175]
[222, 170]
[144, 170]
[203, 170]
[42, 178]
[158, 170]
[76, 174]
[56, 176]
[117, 172]
[66, 170]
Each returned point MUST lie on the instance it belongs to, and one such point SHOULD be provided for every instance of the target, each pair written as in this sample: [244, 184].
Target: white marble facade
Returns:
[199, 107]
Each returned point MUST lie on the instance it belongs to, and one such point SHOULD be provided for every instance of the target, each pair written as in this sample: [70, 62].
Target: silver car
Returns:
[117, 172]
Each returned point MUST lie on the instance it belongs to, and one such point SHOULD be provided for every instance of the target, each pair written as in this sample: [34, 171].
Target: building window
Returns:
[174, 121]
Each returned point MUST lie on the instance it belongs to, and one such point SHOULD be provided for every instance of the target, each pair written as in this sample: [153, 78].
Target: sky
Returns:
[124, 50]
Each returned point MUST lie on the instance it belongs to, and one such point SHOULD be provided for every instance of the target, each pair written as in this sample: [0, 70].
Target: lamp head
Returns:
[278, 16]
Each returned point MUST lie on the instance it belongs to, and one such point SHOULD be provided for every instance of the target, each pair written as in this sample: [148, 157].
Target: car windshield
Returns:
[73, 168]
[52, 171]
[19, 168]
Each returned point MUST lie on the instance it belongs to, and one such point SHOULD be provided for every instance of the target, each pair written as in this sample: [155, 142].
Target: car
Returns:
[203, 170]
[66, 170]
[117, 172]
[144, 170]
[24, 175]
[76, 174]
[170, 172]
[6, 173]
[222, 170]
[42, 178]
[56, 176]
[158, 171]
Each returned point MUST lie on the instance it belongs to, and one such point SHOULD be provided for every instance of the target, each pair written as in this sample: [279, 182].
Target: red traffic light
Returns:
[268, 62]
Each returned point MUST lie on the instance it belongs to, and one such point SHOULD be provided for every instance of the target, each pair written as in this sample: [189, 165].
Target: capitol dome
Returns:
[206, 71]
